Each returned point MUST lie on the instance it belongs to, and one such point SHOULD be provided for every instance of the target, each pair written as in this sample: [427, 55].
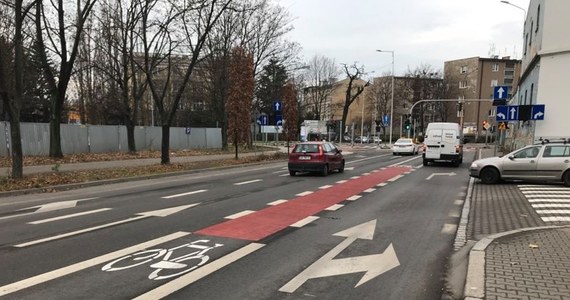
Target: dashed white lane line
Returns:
[454, 213]
[395, 178]
[370, 190]
[334, 207]
[350, 168]
[283, 175]
[304, 193]
[354, 177]
[382, 184]
[458, 202]
[365, 174]
[449, 229]
[325, 187]
[277, 202]
[239, 214]
[354, 198]
[304, 221]
[248, 182]
[51, 275]
[69, 216]
[341, 181]
[184, 194]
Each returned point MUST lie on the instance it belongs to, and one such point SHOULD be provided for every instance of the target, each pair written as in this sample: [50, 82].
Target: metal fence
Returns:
[101, 138]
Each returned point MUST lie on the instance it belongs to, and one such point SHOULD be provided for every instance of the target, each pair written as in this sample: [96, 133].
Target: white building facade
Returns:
[545, 77]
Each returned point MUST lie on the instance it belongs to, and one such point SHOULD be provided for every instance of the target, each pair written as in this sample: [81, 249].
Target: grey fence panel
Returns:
[74, 138]
[4, 139]
[213, 138]
[198, 138]
[153, 138]
[35, 138]
[104, 138]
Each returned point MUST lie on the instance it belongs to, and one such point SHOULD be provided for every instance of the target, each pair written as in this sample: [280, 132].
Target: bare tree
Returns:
[290, 112]
[427, 83]
[242, 84]
[165, 30]
[353, 88]
[320, 76]
[379, 96]
[59, 53]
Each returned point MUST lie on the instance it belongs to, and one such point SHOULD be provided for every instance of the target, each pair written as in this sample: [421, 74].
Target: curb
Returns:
[475, 283]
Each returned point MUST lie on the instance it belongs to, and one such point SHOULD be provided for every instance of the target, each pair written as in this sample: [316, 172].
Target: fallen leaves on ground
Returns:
[46, 180]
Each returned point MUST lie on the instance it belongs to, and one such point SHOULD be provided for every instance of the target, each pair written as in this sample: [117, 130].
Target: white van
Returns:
[443, 142]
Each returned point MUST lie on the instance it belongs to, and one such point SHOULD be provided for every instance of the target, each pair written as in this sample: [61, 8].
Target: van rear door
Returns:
[433, 143]
[449, 141]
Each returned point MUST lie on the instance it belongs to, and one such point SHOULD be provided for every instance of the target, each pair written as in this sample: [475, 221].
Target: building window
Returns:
[463, 69]
[495, 67]
[531, 92]
[463, 84]
[537, 18]
[508, 81]
[525, 42]
[530, 36]
[494, 82]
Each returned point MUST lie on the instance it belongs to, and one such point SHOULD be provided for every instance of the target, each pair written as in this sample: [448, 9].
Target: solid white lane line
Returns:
[45, 277]
[184, 194]
[248, 182]
[370, 190]
[277, 202]
[325, 187]
[304, 221]
[334, 207]
[354, 198]
[239, 214]
[395, 178]
[69, 216]
[341, 181]
[304, 193]
[209, 268]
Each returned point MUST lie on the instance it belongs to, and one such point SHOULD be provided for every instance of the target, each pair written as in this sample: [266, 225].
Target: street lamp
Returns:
[392, 99]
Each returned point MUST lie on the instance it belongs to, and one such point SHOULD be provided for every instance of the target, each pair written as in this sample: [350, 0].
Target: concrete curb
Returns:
[475, 283]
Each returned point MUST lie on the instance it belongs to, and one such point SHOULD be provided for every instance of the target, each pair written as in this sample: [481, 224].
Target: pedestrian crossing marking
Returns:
[551, 203]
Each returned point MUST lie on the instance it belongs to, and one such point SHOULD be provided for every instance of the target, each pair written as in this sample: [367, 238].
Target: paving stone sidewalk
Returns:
[517, 256]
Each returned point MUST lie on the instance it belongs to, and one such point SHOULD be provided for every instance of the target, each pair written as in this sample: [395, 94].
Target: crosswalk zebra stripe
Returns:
[549, 200]
[551, 205]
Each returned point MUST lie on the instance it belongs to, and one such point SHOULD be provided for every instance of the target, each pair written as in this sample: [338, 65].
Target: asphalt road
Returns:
[383, 229]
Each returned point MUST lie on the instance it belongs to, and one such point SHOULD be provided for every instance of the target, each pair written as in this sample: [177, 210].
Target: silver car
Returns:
[548, 161]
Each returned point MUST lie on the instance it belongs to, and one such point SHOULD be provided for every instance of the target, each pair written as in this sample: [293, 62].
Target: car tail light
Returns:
[458, 148]
[321, 154]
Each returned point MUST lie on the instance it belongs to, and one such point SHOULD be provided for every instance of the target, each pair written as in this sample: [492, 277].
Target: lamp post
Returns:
[392, 99]
[524, 14]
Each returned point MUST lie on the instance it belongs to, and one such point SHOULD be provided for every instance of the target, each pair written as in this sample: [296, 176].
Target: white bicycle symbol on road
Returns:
[164, 268]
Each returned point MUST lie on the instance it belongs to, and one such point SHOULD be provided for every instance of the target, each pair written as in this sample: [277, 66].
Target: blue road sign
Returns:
[386, 120]
[262, 120]
[537, 112]
[279, 120]
[277, 105]
[500, 92]
[513, 113]
[502, 113]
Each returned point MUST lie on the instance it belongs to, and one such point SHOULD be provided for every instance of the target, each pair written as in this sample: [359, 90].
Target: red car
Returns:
[321, 157]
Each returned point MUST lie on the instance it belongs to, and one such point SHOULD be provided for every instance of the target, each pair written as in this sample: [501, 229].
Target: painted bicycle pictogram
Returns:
[167, 266]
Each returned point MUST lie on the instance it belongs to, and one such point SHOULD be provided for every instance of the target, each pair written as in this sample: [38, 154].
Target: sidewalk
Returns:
[517, 255]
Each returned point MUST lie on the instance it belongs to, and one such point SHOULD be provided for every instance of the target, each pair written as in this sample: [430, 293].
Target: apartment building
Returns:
[545, 77]
[474, 79]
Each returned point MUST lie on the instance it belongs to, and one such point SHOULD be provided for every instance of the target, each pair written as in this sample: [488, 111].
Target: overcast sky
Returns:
[419, 31]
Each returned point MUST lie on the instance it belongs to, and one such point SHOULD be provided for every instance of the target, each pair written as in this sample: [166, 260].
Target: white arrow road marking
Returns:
[156, 213]
[440, 174]
[48, 207]
[248, 182]
[373, 265]
[184, 194]
[45, 277]
[69, 216]
[187, 279]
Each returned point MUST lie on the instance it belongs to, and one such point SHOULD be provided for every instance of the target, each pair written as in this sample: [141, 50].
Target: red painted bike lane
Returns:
[265, 222]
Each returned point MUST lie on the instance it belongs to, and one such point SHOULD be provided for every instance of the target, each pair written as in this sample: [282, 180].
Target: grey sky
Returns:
[419, 31]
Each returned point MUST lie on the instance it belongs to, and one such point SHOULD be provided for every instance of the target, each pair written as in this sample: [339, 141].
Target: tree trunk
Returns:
[17, 157]
[131, 136]
[236, 142]
[54, 128]
[165, 157]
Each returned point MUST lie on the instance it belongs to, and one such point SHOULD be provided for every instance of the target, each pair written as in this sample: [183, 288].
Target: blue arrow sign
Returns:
[277, 106]
[279, 120]
[500, 92]
[537, 112]
[502, 113]
[513, 113]
[262, 120]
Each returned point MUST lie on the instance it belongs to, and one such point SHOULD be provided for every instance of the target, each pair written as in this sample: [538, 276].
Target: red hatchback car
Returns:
[321, 157]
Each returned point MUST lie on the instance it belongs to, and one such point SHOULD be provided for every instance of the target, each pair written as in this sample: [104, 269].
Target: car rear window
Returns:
[557, 151]
[306, 148]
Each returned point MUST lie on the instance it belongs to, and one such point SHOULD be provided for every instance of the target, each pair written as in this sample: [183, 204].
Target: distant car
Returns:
[547, 161]
[361, 138]
[321, 157]
[377, 140]
[346, 138]
[404, 146]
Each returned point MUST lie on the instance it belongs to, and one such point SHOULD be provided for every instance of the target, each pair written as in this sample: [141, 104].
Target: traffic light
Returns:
[407, 124]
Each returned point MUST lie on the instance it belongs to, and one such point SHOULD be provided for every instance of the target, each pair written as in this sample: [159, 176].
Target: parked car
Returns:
[361, 138]
[547, 161]
[404, 145]
[377, 140]
[347, 138]
[321, 157]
